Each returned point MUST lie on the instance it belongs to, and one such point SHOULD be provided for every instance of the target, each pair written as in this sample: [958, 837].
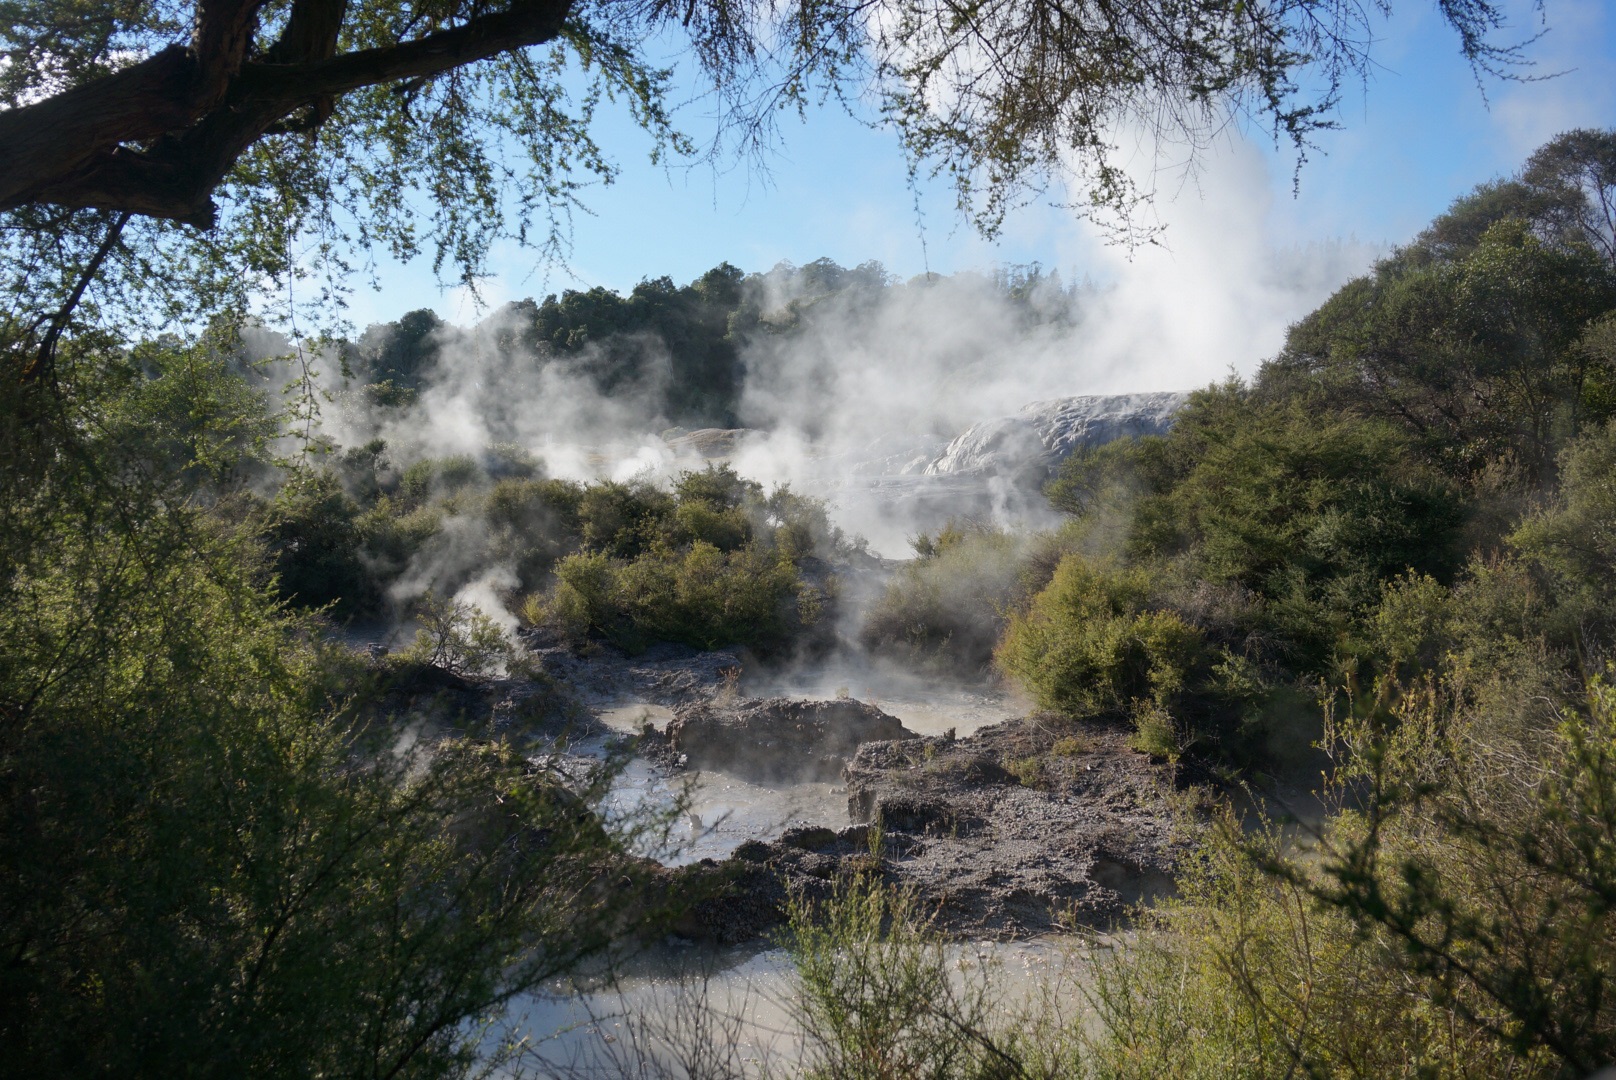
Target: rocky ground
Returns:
[773, 740]
[1023, 828]
[665, 674]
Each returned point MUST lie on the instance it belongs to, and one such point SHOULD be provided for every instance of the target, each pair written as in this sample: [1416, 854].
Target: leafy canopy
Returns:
[232, 148]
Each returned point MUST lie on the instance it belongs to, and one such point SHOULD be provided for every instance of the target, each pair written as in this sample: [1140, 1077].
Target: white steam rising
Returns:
[873, 383]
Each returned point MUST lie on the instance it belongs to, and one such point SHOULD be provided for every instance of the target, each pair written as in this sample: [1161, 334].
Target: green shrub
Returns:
[1028, 771]
[533, 524]
[458, 638]
[623, 520]
[1574, 537]
[878, 997]
[701, 596]
[1084, 646]
[947, 608]
[1072, 746]
[1307, 513]
[717, 487]
[726, 529]
[391, 535]
[314, 535]
[207, 865]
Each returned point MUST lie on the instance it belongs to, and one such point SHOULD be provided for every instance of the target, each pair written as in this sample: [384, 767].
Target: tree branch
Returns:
[526, 23]
[224, 30]
[44, 362]
[73, 149]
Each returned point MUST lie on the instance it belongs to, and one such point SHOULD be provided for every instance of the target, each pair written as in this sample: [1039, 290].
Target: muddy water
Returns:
[724, 811]
[674, 1002]
[738, 1001]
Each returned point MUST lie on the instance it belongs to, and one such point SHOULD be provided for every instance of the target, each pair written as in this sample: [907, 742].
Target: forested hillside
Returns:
[681, 346]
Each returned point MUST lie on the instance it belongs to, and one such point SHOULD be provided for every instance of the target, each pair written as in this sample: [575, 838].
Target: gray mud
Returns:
[1026, 827]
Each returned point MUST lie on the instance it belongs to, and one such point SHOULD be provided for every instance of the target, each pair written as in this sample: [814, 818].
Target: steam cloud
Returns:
[872, 383]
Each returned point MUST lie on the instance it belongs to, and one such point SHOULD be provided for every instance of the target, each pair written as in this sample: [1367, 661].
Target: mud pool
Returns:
[676, 1004]
[724, 811]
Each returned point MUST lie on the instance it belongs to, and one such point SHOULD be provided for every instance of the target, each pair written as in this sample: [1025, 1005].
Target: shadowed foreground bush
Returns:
[207, 870]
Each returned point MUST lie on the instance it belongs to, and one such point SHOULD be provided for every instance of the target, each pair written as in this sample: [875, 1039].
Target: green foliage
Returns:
[1475, 355]
[947, 608]
[312, 528]
[534, 523]
[1244, 974]
[1574, 537]
[713, 563]
[604, 335]
[1482, 852]
[1304, 515]
[399, 356]
[1086, 645]
[205, 863]
[878, 997]
[623, 520]
[1258, 493]
[701, 596]
[188, 409]
[457, 637]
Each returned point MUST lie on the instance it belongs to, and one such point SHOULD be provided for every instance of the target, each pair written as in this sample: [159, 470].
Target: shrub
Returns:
[1154, 732]
[205, 862]
[718, 487]
[314, 535]
[877, 996]
[725, 529]
[1072, 746]
[1574, 537]
[458, 638]
[1307, 513]
[623, 520]
[533, 524]
[702, 597]
[1084, 646]
[947, 608]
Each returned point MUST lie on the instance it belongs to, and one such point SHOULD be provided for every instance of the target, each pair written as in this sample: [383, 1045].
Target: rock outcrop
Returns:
[779, 739]
[1022, 827]
[1042, 435]
[1026, 828]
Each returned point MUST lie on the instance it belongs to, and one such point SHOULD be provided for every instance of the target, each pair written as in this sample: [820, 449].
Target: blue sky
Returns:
[1416, 136]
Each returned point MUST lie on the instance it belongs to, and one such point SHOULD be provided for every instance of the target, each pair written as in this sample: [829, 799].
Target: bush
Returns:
[878, 997]
[313, 531]
[1085, 646]
[207, 866]
[623, 520]
[1574, 537]
[947, 608]
[458, 638]
[1309, 514]
[702, 597]
[533, 523]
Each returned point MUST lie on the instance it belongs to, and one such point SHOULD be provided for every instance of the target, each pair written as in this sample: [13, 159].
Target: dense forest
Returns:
[1389, 555]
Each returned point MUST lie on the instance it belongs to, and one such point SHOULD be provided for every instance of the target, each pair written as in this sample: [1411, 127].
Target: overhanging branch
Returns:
[157, 138]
